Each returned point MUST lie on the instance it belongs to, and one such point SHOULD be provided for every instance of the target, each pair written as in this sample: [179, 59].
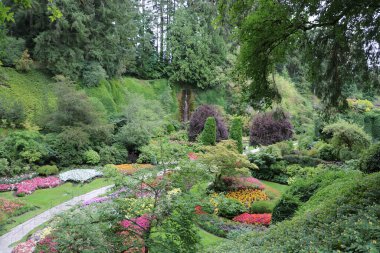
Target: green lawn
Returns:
[209, 240]
[279, 187]
[48, 198]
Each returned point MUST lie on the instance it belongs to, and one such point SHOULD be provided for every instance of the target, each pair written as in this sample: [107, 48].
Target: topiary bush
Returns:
[208, 136]
[198, 120]
[236, 133]
[370, 161]
[47, 170]
[269, 128]
[91, 157]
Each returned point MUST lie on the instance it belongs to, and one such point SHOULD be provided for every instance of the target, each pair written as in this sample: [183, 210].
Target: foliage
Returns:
[302, 160]
[190, 173]
[208, 135]
[192, 29]
[290, 30]
[360, 105]
[270, 128]
[115, 154]
[24, 64]
[79, 175]
[262, 207]
[91, 157]
[198, 120]
[11, 49]
[372, 124]
[346, 137]
[12, 113]
[47, 170]
[141, 120]
[369, 162]
[238, 183]
[223, 160]
[90, 41]
[228, 207]
[326, 152]
[236, 132]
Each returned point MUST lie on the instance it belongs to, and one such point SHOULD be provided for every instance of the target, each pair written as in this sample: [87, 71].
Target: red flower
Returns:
[198, 210]
[257, 219]
[192, 156]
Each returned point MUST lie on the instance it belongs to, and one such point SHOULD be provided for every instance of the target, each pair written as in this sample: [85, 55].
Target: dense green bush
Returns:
[91, 157]
[326, 152]
[262, 207]
[271, 168]
[302, 160]
[236, 132]
[348, 139]
[285, 208]
[12, 113]
[208, 135]
[229, 208]
[115, 154]
[11, 49]
[372, 124]
[47, 170]
[93, 73]
[370, 161]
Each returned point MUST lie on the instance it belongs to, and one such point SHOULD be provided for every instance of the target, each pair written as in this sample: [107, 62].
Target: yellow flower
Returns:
[247, 196]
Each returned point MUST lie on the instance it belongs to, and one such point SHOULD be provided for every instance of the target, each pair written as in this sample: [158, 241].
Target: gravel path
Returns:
[23, 229]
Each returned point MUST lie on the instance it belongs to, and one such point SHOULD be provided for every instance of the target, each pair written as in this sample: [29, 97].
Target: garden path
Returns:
[23, 229]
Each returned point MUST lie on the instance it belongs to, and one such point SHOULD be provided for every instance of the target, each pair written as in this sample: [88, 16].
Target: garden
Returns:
[184, 126]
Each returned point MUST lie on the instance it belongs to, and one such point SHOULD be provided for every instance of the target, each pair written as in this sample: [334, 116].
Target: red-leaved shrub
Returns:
[269, 128]
[198, 119]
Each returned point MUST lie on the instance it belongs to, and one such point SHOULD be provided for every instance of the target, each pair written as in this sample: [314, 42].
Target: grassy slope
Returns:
[48, 198]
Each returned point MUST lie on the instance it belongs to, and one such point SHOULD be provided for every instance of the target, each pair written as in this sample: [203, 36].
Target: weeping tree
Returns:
[340, 40]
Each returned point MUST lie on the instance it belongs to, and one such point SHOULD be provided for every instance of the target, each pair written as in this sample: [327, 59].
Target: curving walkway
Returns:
[23, 229]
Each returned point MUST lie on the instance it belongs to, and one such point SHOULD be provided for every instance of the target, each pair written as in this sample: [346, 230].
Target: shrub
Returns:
[237, 133]
[11, 49]
[306, 161]
[326, 152]
[370, 161]
[12, 113]
[47, 170]
[285, 208]
[198, 119]
[347, 137]
[91, 157]
[24, 64]
[262, 207]
[229, 208]
[208, 136]
[115, 154]
[269, 128]
[92, 74]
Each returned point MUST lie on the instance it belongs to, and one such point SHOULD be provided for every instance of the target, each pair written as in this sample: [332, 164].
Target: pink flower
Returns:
[139, 224]
[6, 187]
[192, 156]
[257, 219]
[237, 183]
[25, 247]
[29, 186]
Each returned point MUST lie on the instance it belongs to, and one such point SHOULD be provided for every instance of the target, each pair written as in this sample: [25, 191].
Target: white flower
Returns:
[80, 175]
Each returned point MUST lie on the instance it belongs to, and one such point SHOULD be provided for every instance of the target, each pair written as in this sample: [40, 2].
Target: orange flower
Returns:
[247, 196]
[132, 168]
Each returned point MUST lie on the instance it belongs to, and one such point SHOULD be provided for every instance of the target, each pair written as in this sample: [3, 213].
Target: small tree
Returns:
[208, 136]
[198, 120]
[271, 127]
[24, 64]
[237, 133]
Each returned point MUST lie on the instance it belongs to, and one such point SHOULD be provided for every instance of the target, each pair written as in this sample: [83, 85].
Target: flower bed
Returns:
[132, 168]
[238, 183]
[80, 175]
[25, 247]
[30, 185]
[247, 196]
[96, 200]
[17, 179]
[8, 206]
[257, 219]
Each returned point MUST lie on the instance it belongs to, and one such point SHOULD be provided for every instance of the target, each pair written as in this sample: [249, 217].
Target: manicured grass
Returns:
[48, 198]
[279, 187]
[209, 240]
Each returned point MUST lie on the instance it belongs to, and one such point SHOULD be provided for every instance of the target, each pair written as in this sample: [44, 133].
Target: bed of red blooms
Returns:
[257, 219]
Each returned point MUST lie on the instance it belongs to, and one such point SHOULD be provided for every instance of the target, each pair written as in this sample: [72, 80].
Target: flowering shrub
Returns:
[25, 247]
[199, 210]
[360, 105]
[8, 206]
[247, 196]
[80, 175]
[257, 219]
[6, 187]
[139, 224]
[237, 183]
[132, 168]
[29, 186]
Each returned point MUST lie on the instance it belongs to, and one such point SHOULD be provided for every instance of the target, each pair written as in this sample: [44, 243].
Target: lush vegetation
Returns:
[223, 126]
